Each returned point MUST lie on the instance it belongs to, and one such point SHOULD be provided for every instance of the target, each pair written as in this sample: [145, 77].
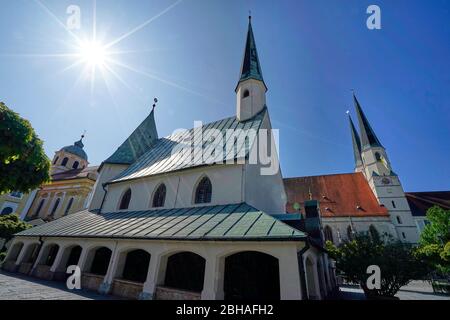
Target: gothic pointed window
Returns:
[125, 202]
[160, 196]
[349, 233]
[373, 232]
[64, 162]
[203, 192]
[328, 233]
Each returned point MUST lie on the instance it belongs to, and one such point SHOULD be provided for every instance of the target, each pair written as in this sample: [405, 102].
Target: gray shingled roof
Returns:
[159, 158]
[221, 222]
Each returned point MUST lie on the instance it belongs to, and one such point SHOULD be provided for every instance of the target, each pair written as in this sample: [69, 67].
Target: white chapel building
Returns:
[195, 215]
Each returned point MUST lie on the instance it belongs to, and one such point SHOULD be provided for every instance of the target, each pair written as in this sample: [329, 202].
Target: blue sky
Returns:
[312, 54]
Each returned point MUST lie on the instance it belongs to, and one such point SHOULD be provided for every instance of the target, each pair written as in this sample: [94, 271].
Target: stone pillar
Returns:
[290, 286]
[312, 276]
[22, 253]
[327, 273]
[39, 257]
[323, 281]
[11, 250]
[105, 287]
[58, 258]
[83, 258]
[153, 277]
[214, 277]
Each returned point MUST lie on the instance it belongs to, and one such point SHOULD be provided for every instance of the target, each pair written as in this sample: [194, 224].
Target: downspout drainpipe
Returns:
[104, 197]
[301, 268]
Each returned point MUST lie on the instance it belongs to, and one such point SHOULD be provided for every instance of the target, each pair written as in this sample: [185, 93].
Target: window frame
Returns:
[122, 199]
[207, 197]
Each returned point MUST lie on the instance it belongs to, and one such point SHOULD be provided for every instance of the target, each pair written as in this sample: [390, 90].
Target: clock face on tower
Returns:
[385, 181]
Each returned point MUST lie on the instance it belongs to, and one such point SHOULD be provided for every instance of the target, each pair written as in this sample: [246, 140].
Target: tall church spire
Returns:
[356, 143]
[251, 89]
[250, 68]
[368, 137]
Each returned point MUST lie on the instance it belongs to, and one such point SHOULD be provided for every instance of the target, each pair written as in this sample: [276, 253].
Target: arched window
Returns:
[7, 210]
[349, 233]
[75, 165]
[64, 162]
[69, 205]
[56, 160]
[246, 93]
[374, 233]
[55, 206]
[160, 196]
[204, 191]
[38, 210]
[328, 233]
[125, 202]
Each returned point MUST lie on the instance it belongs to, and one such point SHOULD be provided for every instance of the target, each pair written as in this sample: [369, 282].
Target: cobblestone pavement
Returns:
[416, 290]
[17, 287]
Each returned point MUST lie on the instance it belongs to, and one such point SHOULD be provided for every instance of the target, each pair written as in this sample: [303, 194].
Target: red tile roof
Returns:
[420, 202]
[339, 195]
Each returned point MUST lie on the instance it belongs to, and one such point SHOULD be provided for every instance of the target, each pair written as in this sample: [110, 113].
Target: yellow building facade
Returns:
[70, 188]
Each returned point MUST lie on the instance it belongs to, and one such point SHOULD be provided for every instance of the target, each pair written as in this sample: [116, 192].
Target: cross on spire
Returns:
[155, 101]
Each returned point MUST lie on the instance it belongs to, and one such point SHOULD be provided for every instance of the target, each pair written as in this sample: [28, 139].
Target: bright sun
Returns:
[93, 54]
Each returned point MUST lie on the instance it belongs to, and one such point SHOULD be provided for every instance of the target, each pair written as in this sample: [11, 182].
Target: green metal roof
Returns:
[161, 158]
[221, 222]
[137, 143]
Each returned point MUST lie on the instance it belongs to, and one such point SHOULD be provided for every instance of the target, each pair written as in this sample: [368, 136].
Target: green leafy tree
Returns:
[23, 163]
[11, 224]
[435, 239]
[397, 261]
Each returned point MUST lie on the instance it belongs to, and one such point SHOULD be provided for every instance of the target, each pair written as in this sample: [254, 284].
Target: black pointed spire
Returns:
[251, 68]
[368, 137]
[356, 143]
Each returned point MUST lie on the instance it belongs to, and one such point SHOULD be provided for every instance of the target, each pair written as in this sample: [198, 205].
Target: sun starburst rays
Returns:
[97, 58]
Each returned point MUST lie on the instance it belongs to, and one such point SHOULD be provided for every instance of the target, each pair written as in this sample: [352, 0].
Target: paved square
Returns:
[416, 290]
[18, 287]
